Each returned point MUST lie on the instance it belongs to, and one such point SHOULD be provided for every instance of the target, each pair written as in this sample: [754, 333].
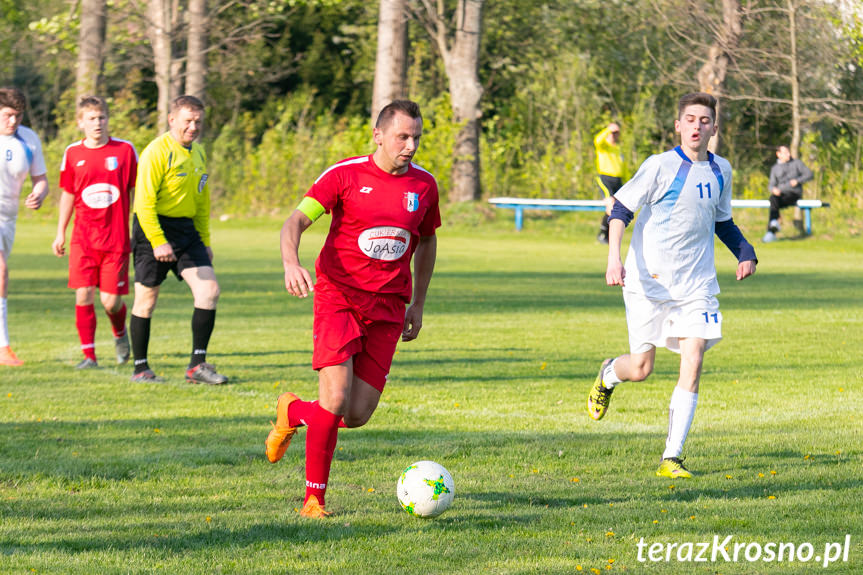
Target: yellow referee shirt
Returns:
[172, 181]
[609, 159]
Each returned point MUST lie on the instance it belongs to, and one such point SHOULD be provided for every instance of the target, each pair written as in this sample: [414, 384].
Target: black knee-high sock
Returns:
[203, 321]
[139, 332]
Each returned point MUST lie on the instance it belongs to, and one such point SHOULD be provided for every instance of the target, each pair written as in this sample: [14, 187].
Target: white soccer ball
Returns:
[425, 489]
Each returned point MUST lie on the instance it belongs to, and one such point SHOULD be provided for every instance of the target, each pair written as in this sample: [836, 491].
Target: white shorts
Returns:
[661, 323]
[7, 237]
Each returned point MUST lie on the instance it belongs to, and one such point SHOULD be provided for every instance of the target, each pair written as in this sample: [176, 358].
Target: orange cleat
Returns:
[280, 436]
[8, 357]
[313, 509]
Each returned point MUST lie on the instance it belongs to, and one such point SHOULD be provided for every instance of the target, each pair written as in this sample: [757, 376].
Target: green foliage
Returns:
[289, 87]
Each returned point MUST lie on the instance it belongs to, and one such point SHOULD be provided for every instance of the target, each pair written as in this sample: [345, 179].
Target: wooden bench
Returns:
[522, 204]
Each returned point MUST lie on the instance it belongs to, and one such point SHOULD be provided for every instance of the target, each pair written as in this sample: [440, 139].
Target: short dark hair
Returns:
[697, 99]
[88, 102]
[407, 107]
[13, 98]
[186, 101]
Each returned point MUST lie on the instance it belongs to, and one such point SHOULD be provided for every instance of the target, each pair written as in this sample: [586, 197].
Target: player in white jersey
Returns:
[669, 280]
[20, 156]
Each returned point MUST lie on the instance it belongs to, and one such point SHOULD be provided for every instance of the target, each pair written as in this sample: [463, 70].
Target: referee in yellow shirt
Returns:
[171, 233]
[609, 169]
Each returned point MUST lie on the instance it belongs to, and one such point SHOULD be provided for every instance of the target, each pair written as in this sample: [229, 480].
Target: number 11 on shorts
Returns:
[707, 317]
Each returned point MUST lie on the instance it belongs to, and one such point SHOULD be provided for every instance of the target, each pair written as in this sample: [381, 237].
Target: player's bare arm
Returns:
[40, 190]
[614, 272]
[298, 280]
[424, 261]
[745, 269]
[67, 205]
[164, 253]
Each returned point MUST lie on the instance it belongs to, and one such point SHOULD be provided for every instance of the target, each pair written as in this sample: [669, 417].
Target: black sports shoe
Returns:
[146, 376]
[205, 373]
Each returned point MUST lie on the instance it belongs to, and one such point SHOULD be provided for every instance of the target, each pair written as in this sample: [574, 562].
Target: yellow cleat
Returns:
[8, 357]
[672, 467]
[599, 396]
[280, 436]
[314, 510]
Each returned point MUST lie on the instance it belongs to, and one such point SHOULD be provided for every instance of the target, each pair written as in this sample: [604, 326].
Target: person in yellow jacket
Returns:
[610, 170]
[171, 232]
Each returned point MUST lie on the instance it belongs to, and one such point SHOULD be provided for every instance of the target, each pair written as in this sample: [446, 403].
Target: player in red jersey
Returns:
[384, 212]
[97, 177]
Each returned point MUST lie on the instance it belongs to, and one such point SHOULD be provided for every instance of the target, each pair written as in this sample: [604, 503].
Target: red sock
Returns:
[300, 412]
[118, 321]
[85, 321]
[321, 440]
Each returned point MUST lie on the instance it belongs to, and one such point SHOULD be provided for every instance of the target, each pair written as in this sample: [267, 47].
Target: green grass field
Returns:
[101, 476]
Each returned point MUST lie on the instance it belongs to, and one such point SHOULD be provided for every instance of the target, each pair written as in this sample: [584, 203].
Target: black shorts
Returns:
[609, 184]
[185, 241]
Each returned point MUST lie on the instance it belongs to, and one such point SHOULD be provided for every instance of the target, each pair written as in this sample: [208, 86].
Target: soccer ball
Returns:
[425, 489]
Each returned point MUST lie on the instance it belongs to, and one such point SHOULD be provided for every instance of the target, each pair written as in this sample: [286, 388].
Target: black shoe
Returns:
[146, 376]
[205, 373]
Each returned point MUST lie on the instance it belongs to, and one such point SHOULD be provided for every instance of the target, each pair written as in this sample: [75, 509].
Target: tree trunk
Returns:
[196, 49]
[794, 79]
[461, 62]
[711, 76]
[391, 63]
[462, 67]
[160, 31]
[91, 43]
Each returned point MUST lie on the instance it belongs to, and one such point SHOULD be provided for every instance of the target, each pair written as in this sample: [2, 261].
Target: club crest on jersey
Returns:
[411, 201]
[8, 155]
[111, 163]
[202, 183]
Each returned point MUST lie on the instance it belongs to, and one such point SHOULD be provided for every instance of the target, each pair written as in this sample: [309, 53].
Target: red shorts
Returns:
[354, 323]
[109, 271]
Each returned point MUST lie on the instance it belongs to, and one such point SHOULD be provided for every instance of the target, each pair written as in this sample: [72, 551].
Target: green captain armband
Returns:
[312, 208]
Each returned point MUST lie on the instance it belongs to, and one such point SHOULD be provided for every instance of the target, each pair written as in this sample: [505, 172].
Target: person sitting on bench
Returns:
[786, 187]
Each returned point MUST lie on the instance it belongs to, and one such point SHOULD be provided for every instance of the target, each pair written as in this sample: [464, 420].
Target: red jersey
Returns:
[378, 219]
[101, 180]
